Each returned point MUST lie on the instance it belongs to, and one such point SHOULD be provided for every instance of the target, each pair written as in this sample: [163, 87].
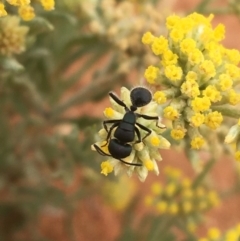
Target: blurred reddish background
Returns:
[94, 220]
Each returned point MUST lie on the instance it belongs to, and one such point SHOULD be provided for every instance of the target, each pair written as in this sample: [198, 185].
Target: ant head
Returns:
[140, 96]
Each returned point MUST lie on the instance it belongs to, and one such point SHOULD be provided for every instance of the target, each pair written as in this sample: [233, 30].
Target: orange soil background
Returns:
[94, 220]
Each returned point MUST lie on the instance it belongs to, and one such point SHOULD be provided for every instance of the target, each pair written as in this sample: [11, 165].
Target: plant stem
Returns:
[163, 228]
[203, 174]
[227, 111]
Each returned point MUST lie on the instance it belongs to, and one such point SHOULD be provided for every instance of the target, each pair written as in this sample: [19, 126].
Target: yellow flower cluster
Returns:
[146, 152]
[195, 72]
[214, 234]
[12, 36]
[25, 10]
[177, 197]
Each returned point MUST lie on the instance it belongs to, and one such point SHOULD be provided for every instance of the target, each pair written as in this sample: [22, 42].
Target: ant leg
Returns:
[131, 164]
[110, 132]
[138, 135]
[101, 152]
[145, 129]
[109, 122]
[116, 99]
[147, 117]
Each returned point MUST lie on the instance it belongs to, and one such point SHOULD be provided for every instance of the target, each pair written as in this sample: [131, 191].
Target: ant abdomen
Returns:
[118, 149]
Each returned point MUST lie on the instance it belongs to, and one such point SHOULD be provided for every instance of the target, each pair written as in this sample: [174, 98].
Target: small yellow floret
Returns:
[233, 56]
[212, 93]
[190, 88]
[178, 133]
[197, 142]
[173, 72]
[104, 147]
[109, 112]
[233, 71]
[187, 45]
[197, 119]
[169, 58]
[155, 141]
[171, 113]
[214, 233]
[106, 168]
[151, 74]
[195, 57]
[160, 97]
[147, 38]
[18, 2]
[3, 12]
[177, 34]
[207, 68]
[191, 76]
[232, 235]
[233, 97]
[225, 82]
[149, 165]
[200, 104]
[48, 5]
[213, 119]
[26, 12]
[172, 20]
[219, 33]
[159, 45]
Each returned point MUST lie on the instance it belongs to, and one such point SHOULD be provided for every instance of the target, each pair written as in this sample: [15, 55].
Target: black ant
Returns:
[127, 126]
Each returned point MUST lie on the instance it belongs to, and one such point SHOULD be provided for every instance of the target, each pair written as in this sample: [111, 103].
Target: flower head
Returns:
[12, 36]
[178, 198]
[198, 70]
[143, 155]
[215, 234]
[25, 10]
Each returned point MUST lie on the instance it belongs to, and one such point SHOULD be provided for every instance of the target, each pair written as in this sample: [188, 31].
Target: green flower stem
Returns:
[203, 174]
[227, 111]
[163, 229]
